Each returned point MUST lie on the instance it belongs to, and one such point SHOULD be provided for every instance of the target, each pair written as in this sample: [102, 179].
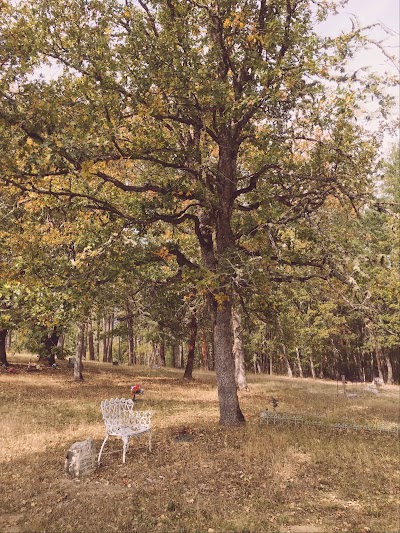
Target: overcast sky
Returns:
[367, 12]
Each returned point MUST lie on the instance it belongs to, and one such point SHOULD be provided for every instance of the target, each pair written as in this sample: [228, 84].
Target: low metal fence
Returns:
[285, 419]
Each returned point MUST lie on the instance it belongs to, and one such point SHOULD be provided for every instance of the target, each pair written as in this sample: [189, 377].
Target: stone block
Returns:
[81, 459]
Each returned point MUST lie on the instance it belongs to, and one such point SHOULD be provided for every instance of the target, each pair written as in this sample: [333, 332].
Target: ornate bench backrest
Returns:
[117, 413]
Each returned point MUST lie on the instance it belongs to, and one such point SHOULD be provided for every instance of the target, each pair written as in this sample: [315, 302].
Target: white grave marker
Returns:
[81, 459]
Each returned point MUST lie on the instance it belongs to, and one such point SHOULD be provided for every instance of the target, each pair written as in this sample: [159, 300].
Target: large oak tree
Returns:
[222, 118]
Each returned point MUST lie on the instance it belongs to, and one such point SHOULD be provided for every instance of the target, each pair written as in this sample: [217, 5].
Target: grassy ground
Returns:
[253, 479]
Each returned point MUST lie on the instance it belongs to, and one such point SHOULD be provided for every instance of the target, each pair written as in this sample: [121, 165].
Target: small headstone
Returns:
[81, 459]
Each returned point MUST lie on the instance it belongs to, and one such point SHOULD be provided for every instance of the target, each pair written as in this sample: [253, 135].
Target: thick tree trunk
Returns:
[3, 353]
[230, 413]
[216, 260]
[238, 351]
[50, 342]
[8, 340]
[188, 375]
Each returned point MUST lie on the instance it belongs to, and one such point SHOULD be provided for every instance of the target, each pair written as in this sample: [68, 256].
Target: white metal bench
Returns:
[122, 421]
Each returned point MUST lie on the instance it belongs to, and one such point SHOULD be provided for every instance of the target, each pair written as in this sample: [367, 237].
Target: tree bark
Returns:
[3, 352]
[230, 413]
[8, 340]
[188, 375]
[238, 351]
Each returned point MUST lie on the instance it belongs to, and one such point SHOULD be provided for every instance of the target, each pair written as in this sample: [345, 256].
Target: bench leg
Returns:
[101, 449]
[125, 447]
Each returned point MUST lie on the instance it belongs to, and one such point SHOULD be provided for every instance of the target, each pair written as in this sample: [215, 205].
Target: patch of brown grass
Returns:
[252, 479]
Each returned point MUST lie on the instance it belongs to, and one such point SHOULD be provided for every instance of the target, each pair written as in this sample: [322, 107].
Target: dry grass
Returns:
[256, 479]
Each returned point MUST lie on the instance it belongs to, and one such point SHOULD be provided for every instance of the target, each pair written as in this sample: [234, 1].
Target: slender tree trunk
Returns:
[181, 356]
[188, 375]
[238, 351]
[131, 338]
[175, 351]
[97, 344]
[78, 353]
[85, 341]
[90, 339]
[390, 379]
[287, 363]
[3, 352]
[111, 338]
[298, 359]
[155, 354]
[105, 339]
[264, 362]
[161, 353]
[312, 368]
[60, 344]
[378, 357]
[204, 350]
